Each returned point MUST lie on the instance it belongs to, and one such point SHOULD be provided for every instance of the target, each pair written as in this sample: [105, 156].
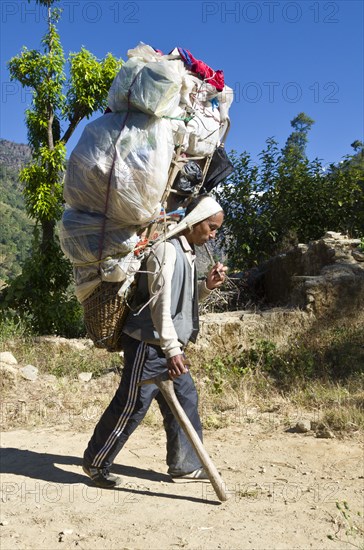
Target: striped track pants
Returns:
[130, 404]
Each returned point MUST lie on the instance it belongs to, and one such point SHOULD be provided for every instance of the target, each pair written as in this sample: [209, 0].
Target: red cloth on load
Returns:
[215, 78]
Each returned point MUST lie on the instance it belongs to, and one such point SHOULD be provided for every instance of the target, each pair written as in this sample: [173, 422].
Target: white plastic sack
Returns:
[152, 88]
[144, 53]
[120, 270]
[85, 238]
[156, 89]
[225, 99]
[196, 90]
[118, 92]
[209, 122]
[134, 153]
[204, 130]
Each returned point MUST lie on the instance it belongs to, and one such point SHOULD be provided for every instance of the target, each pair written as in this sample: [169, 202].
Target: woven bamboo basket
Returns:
[105, 312]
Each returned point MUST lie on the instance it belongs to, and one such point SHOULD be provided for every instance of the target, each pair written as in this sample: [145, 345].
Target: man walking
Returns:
[153, 341]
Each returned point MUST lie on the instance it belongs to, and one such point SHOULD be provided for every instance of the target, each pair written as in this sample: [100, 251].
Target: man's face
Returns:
[206, 230]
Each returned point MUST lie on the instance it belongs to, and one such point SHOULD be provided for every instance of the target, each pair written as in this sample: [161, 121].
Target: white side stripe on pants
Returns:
[128, 409]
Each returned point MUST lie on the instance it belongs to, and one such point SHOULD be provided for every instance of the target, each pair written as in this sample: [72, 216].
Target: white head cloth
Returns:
[205, 208]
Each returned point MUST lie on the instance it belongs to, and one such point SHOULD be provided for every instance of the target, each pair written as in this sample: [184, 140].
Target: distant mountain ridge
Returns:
[16, 228]
[14, 155]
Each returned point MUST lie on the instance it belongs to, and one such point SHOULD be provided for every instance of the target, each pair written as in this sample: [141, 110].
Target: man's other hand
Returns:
[216, 276]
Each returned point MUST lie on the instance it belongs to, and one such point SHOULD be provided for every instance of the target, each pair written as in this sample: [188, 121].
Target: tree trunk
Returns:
[47, 235]
[76, 119]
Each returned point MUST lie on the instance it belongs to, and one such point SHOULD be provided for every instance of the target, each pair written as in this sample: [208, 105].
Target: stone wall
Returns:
[228, 333]
[325, 277]
[323, 280]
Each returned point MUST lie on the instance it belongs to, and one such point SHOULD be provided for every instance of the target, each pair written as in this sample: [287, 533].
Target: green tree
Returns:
[55, 99]
[238, 199]
[297, 140]
[64, 92]
[345, 185]
[248, 198]
[285, 199]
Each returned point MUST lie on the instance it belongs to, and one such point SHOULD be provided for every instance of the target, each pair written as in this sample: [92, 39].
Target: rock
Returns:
[303, 426]
[323, 432]
[332, 235]
[85, 376]
[8, 358]
[29, 372]
[323, 275]
[8, 375]
[58, 341]
[358, 256]
[235, 330]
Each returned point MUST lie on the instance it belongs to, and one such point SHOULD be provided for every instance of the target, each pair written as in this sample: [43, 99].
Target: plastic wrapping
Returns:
[86, 238]
[144, 53]
[206, 127]
[122, 270]
[152, 88]
[135, 152]
[119, 90]
[204, 130]
[189, 177]
[156, 89]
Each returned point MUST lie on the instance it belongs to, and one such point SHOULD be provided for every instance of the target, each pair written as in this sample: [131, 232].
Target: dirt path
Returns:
[283, 489]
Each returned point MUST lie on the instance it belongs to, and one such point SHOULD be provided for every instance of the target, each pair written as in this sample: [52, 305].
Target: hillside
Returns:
[16, 227]
[14, 155]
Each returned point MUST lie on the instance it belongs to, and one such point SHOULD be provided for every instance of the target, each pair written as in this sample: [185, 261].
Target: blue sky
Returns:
[280, 58]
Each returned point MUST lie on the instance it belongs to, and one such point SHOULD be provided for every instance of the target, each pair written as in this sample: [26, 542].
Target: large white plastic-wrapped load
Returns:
[204, 110]
[119, 168]
[162, 85]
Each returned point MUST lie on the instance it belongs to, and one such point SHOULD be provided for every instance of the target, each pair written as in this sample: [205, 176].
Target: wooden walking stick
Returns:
[166, 387]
